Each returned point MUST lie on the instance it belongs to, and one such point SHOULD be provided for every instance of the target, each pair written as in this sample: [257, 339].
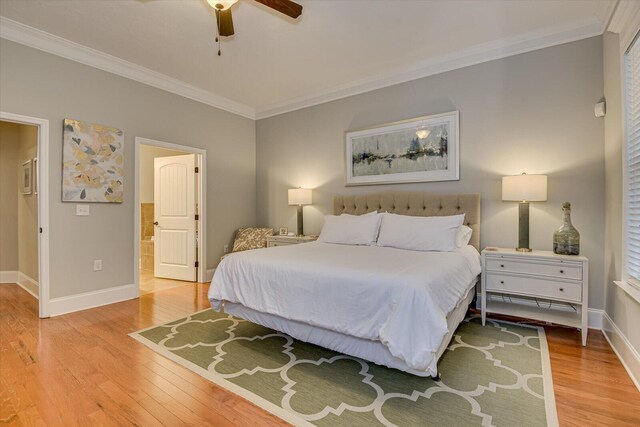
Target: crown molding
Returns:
[41, 40]
[478, 54]
[546, 37]
[625, 21]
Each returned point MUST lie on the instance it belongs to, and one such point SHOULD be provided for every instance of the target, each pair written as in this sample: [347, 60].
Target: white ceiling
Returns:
[338, 47]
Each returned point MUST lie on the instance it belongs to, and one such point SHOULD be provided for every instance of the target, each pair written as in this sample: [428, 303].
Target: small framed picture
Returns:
[26, 177]
[283, 231]
[35, 175]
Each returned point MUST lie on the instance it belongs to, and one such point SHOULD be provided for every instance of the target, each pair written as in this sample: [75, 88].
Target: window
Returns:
[632, 164]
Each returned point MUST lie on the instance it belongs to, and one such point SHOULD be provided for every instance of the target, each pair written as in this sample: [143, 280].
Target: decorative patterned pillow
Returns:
[251, 238]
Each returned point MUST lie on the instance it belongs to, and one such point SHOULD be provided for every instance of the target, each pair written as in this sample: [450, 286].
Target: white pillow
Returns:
[427, 233]
[351, 229]
[464, 236]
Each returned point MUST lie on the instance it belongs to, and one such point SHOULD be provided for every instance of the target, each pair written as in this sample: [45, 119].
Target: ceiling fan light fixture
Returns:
[221, 4]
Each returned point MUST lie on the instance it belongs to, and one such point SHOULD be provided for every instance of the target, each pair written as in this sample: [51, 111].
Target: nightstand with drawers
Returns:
[273, 241]
[536, 285]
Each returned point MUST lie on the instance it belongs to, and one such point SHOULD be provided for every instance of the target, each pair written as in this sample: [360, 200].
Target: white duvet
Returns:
[398, 297]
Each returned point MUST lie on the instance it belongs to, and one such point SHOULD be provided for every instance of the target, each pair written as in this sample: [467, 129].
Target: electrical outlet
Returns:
[82, 210]
[226, 249]
[97, 265]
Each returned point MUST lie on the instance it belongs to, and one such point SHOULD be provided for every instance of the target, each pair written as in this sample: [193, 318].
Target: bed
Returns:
[393, 307]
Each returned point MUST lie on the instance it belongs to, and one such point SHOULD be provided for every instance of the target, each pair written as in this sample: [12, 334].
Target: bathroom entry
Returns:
[169, 194]
[175, 217]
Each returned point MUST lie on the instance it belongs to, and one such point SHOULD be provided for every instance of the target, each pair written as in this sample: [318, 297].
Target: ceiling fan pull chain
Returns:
[218, 34]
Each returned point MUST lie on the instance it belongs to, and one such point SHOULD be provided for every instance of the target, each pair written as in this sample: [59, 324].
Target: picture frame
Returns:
[36, 176]
[26, 177]
[422, 149]
[283, 231]
[92, 162]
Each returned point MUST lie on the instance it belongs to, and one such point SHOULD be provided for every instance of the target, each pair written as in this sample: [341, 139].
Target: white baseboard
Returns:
[9, 276]
[19, 278]
[28, 284]
[629, 356]
[86, 300]
[594, 315]
[210, 274]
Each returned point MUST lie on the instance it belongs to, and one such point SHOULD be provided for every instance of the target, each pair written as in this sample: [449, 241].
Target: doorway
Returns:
[24, 210]
[169, 205]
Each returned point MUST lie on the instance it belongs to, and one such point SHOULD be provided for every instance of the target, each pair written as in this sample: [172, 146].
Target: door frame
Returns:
[43, 204]
[201, 199]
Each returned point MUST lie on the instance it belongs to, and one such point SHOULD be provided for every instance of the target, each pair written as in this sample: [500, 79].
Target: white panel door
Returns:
[174, 215]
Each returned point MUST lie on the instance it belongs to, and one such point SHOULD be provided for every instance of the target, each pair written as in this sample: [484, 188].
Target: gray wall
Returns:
[27, 207]
[18, 212]
[148, 153]
[37, 84]
[9, 151]
[622, 309]
[531, 112]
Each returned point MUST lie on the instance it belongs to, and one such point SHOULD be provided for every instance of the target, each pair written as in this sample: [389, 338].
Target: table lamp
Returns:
[524, 189]
[300, 197]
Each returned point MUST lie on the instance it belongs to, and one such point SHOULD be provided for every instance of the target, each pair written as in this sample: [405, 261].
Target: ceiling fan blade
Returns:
[287, 7]
[225, 22]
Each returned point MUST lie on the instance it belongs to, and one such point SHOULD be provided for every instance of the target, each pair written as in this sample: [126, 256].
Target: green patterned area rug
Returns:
[494, 375]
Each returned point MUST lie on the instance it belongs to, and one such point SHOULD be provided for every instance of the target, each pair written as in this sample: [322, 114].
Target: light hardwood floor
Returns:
[83, 369]
[149, 283]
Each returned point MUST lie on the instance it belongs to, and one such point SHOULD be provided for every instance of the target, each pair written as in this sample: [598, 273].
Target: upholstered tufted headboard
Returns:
[415, 204]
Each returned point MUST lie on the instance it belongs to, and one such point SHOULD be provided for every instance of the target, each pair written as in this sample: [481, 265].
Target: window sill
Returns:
[630, 290]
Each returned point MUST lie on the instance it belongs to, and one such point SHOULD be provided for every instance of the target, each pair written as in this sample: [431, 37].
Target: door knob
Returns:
[155, 223]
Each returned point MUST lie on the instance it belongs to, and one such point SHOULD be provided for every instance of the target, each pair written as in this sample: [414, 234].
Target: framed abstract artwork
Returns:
[417, 150]
[26, 177]
[93, 161]
[35, 176]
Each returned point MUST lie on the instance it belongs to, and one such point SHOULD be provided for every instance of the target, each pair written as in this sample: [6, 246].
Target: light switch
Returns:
[82, 210]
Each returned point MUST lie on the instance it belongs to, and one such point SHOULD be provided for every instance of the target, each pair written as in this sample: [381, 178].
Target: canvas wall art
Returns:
[93, 160]
[26, 177]
[416, 150]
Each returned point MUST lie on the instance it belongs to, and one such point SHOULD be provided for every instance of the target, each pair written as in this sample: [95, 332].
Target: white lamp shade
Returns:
[299, 196]
[225, 4]
[524, 188]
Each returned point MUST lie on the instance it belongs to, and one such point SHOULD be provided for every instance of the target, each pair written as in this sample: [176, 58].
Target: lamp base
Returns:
[524, 249]
[300, 231]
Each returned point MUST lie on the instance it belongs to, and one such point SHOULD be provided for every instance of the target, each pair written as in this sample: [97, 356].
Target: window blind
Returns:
[632, 190]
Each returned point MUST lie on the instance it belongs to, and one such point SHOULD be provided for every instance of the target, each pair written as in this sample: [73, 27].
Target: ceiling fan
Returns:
[225, 22]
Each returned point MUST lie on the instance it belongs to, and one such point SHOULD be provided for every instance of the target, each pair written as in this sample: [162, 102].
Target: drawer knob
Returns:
[561, 271]
[561, 289]
[502, 265]
[502, 282]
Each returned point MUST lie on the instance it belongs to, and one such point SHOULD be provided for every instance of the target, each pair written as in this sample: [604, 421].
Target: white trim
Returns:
[594, 315]
[201, 200]
[625, 21]
[628, 356]
[43, 203]
[478, 54]
[539, 39]
[17, 278]
[86, 300]
[38, 39]
[630, 290]
[24, 280]
[9, 276]
[595, 318]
